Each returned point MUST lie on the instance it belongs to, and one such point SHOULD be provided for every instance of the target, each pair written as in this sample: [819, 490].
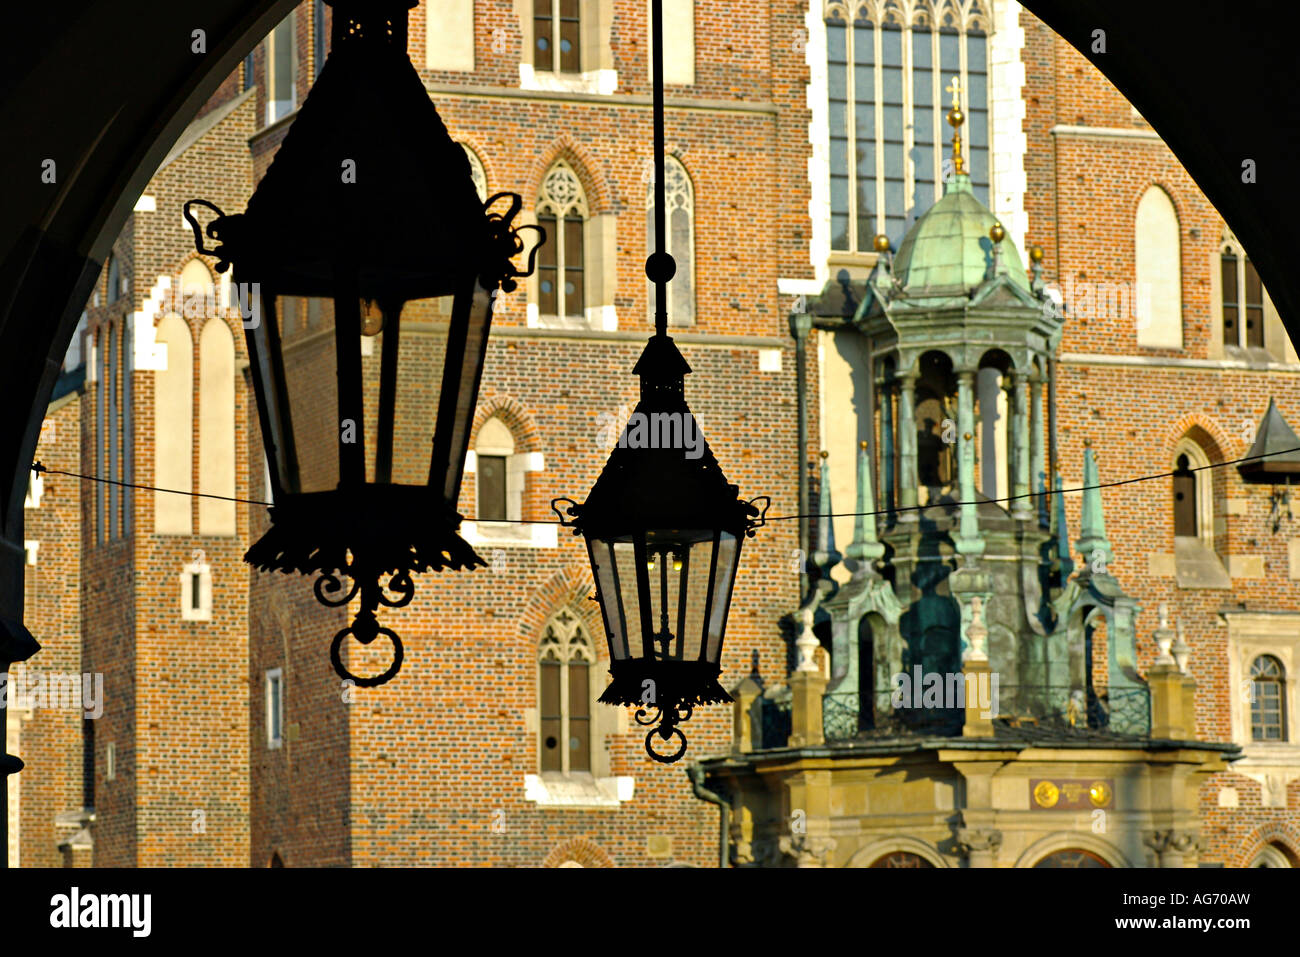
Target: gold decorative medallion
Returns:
[1099, 794]
[1046, 794]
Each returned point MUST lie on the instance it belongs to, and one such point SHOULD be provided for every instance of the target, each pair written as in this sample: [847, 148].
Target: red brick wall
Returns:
[1082, 199]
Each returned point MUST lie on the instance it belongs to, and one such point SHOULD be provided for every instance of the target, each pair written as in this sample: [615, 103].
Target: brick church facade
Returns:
[225, 737]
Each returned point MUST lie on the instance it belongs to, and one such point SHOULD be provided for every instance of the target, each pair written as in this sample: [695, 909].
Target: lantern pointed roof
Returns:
[367, 178]
[1275, 451]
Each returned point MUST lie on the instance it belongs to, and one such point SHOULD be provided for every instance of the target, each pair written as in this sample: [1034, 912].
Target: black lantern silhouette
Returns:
[662, 524]
[366, 267]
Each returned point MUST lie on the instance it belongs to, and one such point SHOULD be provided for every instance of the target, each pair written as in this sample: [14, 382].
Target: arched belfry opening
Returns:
[993, 440]
[936, 427]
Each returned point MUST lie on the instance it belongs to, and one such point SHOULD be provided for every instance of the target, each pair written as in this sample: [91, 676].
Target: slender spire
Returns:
[1062, 532]
[955, 119]
[865, 549]
[825, 557]
[1093, 543]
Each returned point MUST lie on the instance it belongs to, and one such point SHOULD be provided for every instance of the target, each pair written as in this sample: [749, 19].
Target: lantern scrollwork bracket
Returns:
[667, 717]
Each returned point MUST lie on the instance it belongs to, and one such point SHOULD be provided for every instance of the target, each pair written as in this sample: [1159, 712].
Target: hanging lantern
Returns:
[663, 526]
[366, 268]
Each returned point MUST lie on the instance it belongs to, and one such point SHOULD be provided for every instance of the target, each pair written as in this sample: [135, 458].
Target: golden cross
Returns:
[955, 89]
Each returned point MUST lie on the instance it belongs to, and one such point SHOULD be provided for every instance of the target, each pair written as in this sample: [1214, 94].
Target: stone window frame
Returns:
[566, 640]
[599, 258]
[289, 27]
[1281, 680]
[976, 16]
[679, 193]
[198, 569]
[1277, 344]
[274, 677]
[1202, 468]
[515, 530]
[595, 55]
[1273, 764]
[1270, 856]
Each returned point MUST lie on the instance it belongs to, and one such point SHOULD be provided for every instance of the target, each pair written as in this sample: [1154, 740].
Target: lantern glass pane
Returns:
[311, 383]
[456, 411]
[625, 566]
[698, 557]
[665, 589]
[602, 565]
[724, 575]
[414, 355]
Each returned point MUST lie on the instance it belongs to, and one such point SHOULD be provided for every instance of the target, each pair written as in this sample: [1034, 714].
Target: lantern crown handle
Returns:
[505, 242]
[752, 509]
[572, 510]
[213, 230]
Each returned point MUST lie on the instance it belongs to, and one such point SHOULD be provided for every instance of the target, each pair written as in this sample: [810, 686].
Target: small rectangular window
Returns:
[110, 761]
[196, 591]
[87, 763]
[1228, 273]
[274, 707]
[248, 71]
[491, 488]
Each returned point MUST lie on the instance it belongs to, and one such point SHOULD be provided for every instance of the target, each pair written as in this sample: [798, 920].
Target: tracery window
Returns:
[679, 222]
[890, 72]
[476, 173]
[562, 212]
[565, 656]
[1267, 699]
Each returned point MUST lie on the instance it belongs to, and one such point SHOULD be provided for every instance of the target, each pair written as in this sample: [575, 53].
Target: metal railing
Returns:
[1041, 709]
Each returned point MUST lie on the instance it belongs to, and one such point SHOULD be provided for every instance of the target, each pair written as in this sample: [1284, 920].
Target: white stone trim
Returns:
[1110, 132]
[603, 82]
[578, 791]
[510, 534]
[1007, 140]
[145, 204]
[1273, 765]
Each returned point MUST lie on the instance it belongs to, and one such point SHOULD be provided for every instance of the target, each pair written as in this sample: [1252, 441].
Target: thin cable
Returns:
[38, 467]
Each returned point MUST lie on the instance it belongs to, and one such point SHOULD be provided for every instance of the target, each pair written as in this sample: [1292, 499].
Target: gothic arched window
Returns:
[1158, 252]
[1184, 498]
[1267, 699]
[1193, 501]
[499, 477]
[889, 83]
[562, 212]
[565, 656]
[679, 223]
[476, 173]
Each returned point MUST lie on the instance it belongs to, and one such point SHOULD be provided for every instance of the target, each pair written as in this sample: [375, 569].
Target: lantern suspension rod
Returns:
[663, 273]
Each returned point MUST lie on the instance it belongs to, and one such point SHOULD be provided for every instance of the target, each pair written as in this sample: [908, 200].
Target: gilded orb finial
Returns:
[1036, 253]
[881, 243]
[863, 445]
[825, 454]
[955, 119]
[997, 233]
[1087, 443]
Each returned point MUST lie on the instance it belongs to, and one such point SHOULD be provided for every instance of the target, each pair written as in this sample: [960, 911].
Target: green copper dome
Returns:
[949, 246]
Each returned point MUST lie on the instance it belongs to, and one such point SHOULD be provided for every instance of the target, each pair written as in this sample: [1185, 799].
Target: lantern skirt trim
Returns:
[338, 530]
[674, 682]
